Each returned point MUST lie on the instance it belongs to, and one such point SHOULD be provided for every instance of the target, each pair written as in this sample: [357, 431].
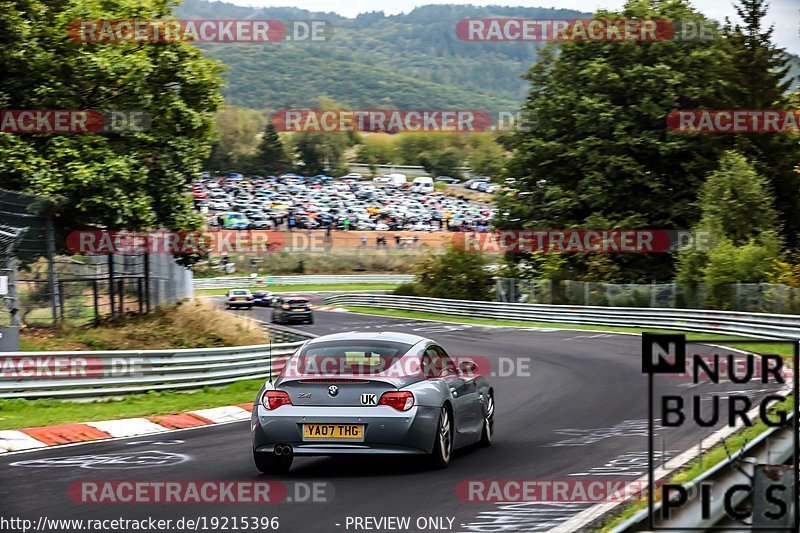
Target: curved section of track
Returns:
[573, 407]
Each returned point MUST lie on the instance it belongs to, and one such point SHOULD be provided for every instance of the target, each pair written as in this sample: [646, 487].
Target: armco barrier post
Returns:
[111, 283]
[146, 260]
[96, 301]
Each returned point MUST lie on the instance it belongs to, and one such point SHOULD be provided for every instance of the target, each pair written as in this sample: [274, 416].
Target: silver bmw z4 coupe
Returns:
[371, 393]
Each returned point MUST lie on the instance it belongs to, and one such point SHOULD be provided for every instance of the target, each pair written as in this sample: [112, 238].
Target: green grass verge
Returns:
[306, 288]
[18, 413]
[753, 345]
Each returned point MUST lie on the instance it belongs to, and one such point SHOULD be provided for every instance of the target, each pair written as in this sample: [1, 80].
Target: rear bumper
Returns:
[240, 304]
[386, 431]
[297, 315]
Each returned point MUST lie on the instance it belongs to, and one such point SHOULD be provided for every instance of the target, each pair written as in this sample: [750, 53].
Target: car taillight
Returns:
[285, 306]
[400, 400]
[273, 399]
[249, 298]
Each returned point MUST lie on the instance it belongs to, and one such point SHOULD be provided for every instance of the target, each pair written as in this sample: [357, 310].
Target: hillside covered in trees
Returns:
[404, 61]
[407, 61]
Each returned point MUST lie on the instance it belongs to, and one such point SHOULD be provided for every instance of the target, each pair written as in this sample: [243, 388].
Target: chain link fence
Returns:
[46, 286]
[745, 297]
[78, 290]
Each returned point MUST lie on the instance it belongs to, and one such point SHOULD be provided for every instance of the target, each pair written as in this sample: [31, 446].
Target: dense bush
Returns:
[453, 274]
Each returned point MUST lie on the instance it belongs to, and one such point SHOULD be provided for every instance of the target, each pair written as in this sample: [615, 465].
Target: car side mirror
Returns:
[468, 368]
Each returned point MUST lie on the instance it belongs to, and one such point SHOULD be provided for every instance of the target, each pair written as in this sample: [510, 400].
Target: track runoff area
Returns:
[578, 426]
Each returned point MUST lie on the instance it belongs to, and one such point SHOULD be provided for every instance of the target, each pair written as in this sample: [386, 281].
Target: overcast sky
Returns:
[784, 14]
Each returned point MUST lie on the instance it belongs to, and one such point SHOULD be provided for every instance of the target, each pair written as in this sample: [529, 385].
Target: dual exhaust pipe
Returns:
[283, 449]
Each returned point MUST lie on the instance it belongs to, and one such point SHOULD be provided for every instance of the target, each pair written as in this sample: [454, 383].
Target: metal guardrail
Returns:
[758, 325]
[267, 281]
[123, 372]
[412, 170]
[106, 373]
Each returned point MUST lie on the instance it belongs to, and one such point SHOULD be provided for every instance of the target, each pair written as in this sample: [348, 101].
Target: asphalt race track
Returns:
[574, 407]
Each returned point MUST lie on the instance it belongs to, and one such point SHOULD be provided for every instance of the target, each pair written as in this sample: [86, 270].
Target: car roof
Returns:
[361, 335]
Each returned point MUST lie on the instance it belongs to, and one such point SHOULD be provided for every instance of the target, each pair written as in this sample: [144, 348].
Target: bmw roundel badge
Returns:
[333, 391]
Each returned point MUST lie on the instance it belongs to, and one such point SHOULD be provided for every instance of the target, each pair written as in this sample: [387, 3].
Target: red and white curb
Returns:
[41, 437]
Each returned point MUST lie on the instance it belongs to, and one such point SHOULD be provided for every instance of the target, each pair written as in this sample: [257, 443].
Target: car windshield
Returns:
[350, 357]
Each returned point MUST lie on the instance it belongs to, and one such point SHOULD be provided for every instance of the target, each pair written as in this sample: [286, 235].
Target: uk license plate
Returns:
[333, 431]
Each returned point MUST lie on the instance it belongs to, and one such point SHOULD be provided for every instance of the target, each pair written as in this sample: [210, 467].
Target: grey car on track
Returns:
[286, 309]
[371, 393]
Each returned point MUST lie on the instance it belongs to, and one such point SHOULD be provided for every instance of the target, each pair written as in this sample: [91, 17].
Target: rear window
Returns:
[358, 357]
[240, 293]
[297, 301]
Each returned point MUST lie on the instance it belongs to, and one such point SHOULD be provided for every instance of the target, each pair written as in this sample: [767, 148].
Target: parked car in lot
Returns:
[263, 298]
[239, 298]
[352, 176]
[286, 309]
[422, 184]
[371, 394]
[477, 179]
[265, 203]
[396, 179]
[233, 220]
[219, 206]
[261, 224]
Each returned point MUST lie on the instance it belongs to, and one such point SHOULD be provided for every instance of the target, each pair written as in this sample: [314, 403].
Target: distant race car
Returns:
[262, 298]
[239, 298]
[371, 393]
